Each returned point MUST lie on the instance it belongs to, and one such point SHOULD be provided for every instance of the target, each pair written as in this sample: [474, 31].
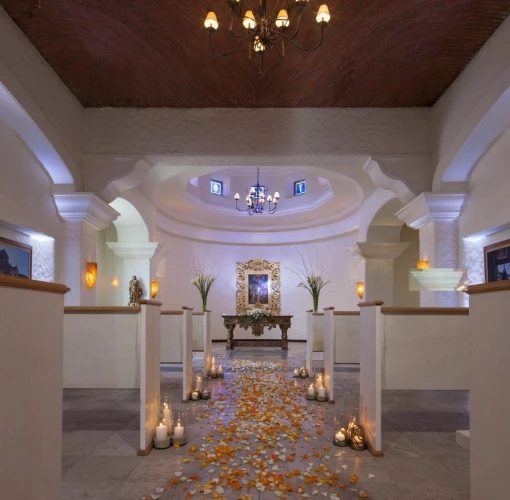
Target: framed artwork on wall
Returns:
[258, 286]
[497, 261]
[15, 259]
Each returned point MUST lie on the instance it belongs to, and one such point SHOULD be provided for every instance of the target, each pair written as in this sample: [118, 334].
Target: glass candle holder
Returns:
[179, 430]
[341, 421]
[220, 372]
[161, 436]
[165, 413]
[302, 371]
[206, 388]
[357, 440]
[214, 368]
[310, 391]
[295, 373]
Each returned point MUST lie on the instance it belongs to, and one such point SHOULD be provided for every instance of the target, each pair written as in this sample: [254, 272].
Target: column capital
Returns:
[379, 250]
[133, 249]
[85, 207]
[431, 207]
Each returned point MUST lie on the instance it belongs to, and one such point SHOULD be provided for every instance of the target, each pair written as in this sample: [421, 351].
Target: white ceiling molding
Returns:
[383, 180]
[85, 207]
[435, 280]
[381, 250]
[429, 207]
[133, 249]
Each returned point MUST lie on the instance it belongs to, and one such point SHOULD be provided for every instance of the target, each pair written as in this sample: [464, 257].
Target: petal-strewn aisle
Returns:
[265, 441]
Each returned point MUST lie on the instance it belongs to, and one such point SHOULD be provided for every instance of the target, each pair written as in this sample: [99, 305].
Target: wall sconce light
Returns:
[91, 274]
[360, 288]
[422, 264]
[154, 288]
[115, 282]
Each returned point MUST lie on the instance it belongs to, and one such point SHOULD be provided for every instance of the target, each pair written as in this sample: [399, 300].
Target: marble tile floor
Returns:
[422, 460]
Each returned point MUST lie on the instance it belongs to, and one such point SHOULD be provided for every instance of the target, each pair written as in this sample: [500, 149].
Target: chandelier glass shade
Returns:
[265, 28]
[257, 200]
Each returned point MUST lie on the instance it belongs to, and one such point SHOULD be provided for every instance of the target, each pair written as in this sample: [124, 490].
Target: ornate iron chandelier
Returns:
[257, 198]
[265, 30]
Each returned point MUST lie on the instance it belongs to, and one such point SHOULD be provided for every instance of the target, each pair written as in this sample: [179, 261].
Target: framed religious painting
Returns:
[497, 261]
[15, 259]
[258, 286]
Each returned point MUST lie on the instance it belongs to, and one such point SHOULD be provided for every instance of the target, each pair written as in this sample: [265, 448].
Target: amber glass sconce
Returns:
[154, 288]
[91, 274]
[360, 288]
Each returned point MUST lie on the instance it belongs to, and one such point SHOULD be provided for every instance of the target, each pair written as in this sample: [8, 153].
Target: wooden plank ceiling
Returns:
[139, 53]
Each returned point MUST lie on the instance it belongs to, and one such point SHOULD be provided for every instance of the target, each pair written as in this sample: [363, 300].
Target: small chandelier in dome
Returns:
[257, 200]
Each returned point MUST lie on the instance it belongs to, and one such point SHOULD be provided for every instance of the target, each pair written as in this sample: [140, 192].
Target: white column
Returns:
[378, 260]
[149, 342]
[136, 260]
[435, 215]
[84, 214]
[329, 353]
[371, 336]
[187, 352]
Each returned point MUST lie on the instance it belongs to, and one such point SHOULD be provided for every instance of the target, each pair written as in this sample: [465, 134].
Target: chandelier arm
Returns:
[282, 53]
[223, 54]
[303, 48]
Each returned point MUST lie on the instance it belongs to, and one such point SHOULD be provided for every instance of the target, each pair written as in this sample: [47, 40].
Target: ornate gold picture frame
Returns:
[258, 286]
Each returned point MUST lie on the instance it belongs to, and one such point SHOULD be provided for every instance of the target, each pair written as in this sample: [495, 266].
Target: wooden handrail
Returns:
[493, 286]
[38, 286]
[345, 313]
[174, 313]
[101, 310]
[425, 310]
[370, 304]
[151, 302]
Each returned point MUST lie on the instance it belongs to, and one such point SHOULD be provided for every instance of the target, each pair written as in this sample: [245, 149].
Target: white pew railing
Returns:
[171, 336]
[490, 405]
[149, 347]
[31, 335]
[425, 348]
[314, 337]
[347, 337]
[101, 348]
[409, 348]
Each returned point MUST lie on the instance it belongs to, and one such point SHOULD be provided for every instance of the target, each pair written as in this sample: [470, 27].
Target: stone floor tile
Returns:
[102, 468]
[122, 443]
[87, 490]
[69, 461]
[137, 491]
[80, 442]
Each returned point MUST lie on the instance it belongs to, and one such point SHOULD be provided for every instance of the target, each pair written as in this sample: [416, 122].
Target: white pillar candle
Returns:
[213, 371]
[311, 390]
[199, 383]
[161, 432]
[178, 430]
[220, 371]
[319, 381]
[322, 392]
[340, 436]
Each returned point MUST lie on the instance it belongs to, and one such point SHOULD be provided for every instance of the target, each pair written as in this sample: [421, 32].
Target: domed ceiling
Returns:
[329, 197]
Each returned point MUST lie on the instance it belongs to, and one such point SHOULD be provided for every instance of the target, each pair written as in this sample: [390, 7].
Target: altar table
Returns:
[257, 329]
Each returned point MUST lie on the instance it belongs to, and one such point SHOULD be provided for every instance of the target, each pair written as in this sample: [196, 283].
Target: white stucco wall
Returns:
[485, 217]
[26, 202]
[175, 289]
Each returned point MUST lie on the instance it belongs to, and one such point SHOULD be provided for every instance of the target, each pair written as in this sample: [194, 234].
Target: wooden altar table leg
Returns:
[230, 338]
[285, 343]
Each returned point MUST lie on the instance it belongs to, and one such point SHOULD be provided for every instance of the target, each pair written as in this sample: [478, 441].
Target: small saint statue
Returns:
[135, 292]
